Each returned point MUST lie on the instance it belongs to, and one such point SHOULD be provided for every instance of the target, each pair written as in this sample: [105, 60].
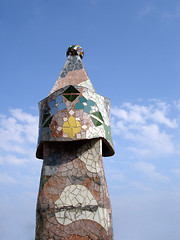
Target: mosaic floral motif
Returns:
[89, 106]
[56, 105]
[76, 202]
[85, 110]
[71, 127]
[85, 104]
[75, 50]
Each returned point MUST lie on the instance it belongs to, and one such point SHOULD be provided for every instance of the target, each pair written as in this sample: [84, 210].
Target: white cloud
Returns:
[18, 136]
[131, 113]
[159, 117]
[152, 140]
[147, 127]
[30, 125]
[134, 113]
[13, 159]
[150, 170]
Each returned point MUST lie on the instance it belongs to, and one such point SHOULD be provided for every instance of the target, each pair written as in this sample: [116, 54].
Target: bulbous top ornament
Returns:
[75, 50]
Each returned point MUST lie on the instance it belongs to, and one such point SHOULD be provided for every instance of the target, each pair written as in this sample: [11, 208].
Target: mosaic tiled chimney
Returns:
[74, 134]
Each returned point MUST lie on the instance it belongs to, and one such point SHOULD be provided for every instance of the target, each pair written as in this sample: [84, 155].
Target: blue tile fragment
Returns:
[52, 103]
[59, 99]
[53, 110]
[62, 106]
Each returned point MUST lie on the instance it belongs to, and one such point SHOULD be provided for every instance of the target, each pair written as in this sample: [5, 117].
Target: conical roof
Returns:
[73, 73]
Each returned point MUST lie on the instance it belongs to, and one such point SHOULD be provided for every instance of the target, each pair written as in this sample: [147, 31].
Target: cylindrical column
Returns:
[73, 201]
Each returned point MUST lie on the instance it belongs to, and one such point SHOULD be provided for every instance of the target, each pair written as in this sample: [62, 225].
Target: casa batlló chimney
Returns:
[74, 135]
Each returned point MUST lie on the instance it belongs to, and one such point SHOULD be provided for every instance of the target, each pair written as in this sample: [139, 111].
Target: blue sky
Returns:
[132, 56]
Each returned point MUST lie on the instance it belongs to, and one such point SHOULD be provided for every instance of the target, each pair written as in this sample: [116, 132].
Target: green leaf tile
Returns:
[96, 122]
[79, 106]
[98, 115]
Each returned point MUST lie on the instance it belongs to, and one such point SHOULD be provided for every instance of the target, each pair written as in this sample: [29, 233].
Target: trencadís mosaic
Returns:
[74, 133]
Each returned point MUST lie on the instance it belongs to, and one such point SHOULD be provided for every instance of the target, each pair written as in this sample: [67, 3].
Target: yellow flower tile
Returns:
[71, 127]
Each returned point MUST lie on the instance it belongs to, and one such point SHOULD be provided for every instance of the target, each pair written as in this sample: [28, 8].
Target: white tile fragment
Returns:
[82, 198]
[71, 112]
[90, 156]
[59, 128]
[78, 136]
[84, 127]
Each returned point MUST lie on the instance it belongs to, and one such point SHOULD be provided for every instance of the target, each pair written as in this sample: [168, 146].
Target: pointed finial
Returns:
[75, 50]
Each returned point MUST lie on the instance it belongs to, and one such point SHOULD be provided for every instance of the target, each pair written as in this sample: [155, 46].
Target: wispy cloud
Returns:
[19, 172]
[18, 133]
[157, 112]
[150, 171]
[177, 104]
[146, 11]
[163, 12]
[13, 159]
[147, 127]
